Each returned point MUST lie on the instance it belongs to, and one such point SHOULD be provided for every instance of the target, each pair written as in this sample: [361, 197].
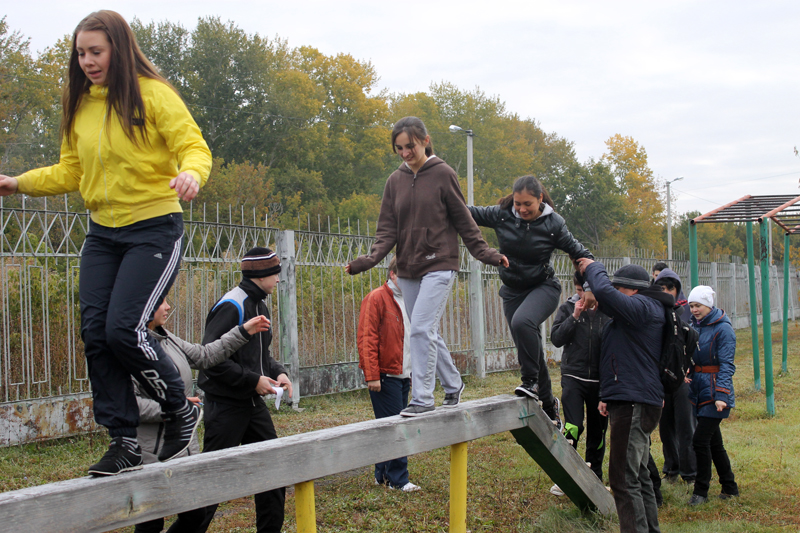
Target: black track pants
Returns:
[575, 395]
[125, 274]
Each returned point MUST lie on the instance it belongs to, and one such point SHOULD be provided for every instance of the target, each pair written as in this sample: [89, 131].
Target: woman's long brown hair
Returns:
[127, 61]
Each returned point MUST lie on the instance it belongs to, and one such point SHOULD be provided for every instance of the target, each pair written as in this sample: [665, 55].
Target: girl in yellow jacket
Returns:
[131, 147]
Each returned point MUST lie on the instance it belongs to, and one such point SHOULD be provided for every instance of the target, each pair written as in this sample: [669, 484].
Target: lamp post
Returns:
[470, 135]
[669, 218]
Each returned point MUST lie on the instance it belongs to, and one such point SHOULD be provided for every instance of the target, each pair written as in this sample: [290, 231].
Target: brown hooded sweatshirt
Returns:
[423, 214]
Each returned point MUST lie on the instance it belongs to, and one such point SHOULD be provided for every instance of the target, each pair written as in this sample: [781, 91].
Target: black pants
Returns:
[231, 425]
[575, 394]
[392, 398]
[676, 429]
[187, 522]
[708, 447]
[125, 275]
[525, 312]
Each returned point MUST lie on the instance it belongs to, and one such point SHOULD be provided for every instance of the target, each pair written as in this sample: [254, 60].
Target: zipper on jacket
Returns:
[102, 164]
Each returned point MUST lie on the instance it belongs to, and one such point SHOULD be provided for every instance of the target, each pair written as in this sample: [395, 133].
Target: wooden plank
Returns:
[163, 489]
[102, 504]
[548, 447]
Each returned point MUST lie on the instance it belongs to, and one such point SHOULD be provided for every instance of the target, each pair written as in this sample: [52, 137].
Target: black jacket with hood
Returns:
[234, 381]
[581, 339]
[685, 313]
[528, 245]
[632, 341]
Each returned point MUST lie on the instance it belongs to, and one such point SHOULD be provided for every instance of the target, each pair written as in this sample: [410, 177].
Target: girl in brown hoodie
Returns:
[423, 212]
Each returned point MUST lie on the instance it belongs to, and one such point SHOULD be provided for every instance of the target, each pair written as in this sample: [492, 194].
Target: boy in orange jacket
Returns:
[383, 357]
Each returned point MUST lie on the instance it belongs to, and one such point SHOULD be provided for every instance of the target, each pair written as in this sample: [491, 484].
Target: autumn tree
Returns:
[645, 210]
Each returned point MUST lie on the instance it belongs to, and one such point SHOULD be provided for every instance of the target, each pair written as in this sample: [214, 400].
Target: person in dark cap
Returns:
[235, 412]
[631, 394]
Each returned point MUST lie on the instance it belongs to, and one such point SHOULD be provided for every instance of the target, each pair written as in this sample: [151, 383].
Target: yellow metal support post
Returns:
[304, 505]
[458, 488]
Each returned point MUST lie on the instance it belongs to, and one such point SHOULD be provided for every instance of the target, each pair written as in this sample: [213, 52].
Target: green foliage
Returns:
[300, 134]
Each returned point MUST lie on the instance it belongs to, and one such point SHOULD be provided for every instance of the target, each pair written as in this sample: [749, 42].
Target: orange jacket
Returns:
[380, 334]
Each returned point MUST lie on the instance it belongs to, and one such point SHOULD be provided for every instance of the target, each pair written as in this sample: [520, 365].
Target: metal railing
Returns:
[41, 353]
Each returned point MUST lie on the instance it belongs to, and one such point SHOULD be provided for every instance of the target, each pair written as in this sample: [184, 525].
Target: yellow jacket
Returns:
[122, 183]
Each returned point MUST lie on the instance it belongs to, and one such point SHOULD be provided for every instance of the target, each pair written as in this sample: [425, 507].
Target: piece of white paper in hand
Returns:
[278, 396]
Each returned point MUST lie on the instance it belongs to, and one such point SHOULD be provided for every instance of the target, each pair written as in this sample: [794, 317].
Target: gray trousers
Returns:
[631, 425]
[425, 299]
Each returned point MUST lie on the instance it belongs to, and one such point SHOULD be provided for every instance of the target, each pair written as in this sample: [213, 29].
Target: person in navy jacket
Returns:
[631, 394]
[711, 392]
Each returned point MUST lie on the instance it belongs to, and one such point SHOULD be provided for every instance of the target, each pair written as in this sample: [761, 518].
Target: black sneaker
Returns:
[696, 499]
[416, 410]
[451, 399]
[179, 429]
[123, 455]
[725, 496]
[555, 414]
[528, 389]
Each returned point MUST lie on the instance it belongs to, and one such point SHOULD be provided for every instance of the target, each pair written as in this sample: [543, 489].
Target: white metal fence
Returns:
[315, 310]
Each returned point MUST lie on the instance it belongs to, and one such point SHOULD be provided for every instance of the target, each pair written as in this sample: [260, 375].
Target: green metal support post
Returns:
[766, 318]
[751, 279]
[785, 355]
[693, 270]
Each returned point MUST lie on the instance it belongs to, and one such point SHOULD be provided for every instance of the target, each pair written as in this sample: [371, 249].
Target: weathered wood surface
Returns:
[101, 504]
[548, 447]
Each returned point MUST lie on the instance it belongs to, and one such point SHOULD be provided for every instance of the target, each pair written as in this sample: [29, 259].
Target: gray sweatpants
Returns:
[425, 300]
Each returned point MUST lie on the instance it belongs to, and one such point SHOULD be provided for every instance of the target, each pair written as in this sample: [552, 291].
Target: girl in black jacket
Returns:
[529, 230]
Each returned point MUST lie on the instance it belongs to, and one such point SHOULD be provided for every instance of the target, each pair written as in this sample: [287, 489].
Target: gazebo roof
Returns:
[784, 210]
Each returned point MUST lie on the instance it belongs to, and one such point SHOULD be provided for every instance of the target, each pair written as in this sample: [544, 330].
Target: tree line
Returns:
[296, 133]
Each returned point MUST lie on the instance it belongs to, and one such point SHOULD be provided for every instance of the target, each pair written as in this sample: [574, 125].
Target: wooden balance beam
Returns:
[102, 504]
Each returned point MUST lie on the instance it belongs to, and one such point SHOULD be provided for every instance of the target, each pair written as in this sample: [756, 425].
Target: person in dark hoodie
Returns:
[579, 331]
[677, 418]
[529, 230]
[235, 411]
[711, 393]
[423, 212]
[631, 394]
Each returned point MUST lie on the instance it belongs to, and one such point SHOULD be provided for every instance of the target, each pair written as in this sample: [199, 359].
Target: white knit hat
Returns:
[702, 294]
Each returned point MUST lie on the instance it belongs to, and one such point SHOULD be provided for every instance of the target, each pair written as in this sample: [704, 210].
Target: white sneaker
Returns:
[555, 490]
[408, 487]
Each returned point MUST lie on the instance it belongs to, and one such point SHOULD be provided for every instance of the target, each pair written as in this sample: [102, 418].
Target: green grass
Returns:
[507, 490]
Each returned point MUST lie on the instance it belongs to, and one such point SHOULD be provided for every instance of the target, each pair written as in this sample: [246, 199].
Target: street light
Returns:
[470, 135]
[669, 218]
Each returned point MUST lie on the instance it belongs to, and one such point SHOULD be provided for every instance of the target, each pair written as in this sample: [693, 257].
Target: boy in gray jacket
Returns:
[185, 356]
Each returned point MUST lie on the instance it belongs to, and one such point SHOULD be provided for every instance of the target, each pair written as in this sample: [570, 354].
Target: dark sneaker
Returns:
[178, 430]
[451, 399]
[123, 455]
[528, 389]
[724, 496]
[555, 414]
[416, 410]
[696, 499]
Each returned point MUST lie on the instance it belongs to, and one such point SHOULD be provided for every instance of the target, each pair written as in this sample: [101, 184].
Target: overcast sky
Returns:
[709, 89]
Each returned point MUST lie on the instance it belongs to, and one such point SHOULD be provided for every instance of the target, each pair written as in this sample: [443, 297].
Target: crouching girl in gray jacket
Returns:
[185, 356]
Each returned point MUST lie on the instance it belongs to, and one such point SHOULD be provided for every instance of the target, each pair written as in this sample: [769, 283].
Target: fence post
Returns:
[458, 488]
[734, 312]
[626, 260]
[714, 278]
[477, 317]
[287, 308]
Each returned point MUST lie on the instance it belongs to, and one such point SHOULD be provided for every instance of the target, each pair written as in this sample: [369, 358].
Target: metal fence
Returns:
[314, 311]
